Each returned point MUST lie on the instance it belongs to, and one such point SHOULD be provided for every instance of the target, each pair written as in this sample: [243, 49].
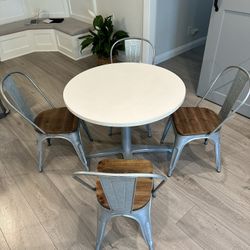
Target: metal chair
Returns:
[49, 124]
[193, 123]
[124, 188]
[133, 49]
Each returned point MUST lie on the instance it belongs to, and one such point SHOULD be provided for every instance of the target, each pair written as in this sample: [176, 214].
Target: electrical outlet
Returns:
[191, 31]
[194, 31]
[189, 28]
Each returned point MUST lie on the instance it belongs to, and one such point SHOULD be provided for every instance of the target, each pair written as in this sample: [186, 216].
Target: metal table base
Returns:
[127, 149]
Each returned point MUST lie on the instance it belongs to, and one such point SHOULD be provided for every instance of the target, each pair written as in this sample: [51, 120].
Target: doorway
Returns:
[177, 27]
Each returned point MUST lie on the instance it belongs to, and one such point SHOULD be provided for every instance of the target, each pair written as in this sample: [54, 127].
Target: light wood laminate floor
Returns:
[196, 209]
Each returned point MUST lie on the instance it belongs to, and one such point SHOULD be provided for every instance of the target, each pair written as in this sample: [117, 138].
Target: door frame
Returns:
[149, 20]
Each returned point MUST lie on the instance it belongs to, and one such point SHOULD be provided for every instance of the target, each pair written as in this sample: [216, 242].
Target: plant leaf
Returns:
[102, 36]
[86, 42]
[98, 22]
[119, 35]
[93, 33]
[84, 37]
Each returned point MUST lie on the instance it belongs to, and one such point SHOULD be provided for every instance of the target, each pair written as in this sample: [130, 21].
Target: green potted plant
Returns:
[102, 37]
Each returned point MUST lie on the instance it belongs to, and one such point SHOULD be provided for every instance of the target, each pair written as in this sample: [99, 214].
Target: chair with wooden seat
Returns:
[49, 124]
[124, 188]
[133, 49]
[193, 123]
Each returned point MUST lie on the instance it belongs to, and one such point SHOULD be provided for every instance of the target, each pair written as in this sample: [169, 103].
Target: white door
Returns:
[228, 43]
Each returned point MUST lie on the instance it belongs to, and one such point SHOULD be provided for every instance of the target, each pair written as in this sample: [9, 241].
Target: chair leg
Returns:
[143, 218]
[85, 128]
[40, 152]
[216, 141]
[49, 141]
[102, 220]
[179, 144]
[166, 129]
[206, 141]
[77, 144]
[110, 131]
[148, 128]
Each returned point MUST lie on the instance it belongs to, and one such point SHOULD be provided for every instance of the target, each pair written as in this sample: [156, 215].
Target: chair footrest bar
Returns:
[135, 149]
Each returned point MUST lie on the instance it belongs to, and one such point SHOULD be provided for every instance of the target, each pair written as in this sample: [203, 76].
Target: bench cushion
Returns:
[69, 26]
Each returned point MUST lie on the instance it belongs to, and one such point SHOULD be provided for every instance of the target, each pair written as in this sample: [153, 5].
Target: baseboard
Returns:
[179, 50]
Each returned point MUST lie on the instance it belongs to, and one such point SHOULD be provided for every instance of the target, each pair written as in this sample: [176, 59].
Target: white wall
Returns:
[13, 10]
[172, 22]
[55, 8]
[128, 14]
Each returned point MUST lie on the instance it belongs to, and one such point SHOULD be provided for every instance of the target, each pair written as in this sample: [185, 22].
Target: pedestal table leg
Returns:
[126, 143]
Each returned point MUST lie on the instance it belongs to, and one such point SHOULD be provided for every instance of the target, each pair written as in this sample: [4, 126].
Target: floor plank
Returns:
[3, 243]
[20, 226]
[216, 204]
[64, 227]
[204, 229]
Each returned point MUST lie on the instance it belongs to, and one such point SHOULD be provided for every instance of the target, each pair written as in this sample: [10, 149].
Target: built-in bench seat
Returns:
[69, 26]
[22, 37]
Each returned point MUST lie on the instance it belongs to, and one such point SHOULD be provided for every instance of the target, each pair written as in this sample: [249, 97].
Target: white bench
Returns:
[19, 38]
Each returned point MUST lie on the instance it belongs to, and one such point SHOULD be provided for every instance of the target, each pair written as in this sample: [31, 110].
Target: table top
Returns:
[124, 94]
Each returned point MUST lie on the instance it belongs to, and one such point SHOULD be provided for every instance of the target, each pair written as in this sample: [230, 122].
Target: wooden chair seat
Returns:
[195, 120]
[143, 186]
[57, 121]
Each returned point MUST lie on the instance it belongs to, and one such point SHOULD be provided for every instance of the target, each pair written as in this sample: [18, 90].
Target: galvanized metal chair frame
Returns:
[24, 111]
[120, 191]
[132, 59]
[227, 110]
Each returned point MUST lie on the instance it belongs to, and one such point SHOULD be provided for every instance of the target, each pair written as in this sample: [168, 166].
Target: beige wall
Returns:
[128, 14]
[79, 9]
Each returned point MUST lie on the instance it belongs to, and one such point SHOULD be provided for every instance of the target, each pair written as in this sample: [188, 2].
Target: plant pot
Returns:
[102, 60]
[105, 60]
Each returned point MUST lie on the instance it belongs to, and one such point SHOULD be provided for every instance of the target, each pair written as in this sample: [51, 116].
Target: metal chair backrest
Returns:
[17, 99]
[231, 104]
[119, 189]
[14, 97]
[133, 49]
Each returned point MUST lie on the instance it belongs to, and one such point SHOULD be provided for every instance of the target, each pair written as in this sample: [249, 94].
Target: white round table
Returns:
[125, 95]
